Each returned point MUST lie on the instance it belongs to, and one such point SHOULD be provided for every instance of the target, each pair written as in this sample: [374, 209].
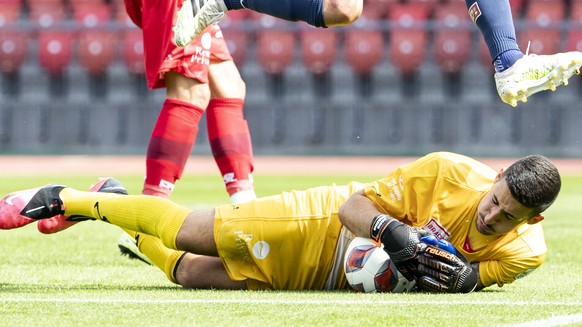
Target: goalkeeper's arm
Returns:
[361, 216]
[357, 214]
[402, 242]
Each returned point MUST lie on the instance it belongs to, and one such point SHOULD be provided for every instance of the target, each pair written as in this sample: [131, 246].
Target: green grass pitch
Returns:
[78, 278]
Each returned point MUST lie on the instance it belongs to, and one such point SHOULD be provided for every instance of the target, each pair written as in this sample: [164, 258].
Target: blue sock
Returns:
[309, 11]
[494, 20]
[506, 60]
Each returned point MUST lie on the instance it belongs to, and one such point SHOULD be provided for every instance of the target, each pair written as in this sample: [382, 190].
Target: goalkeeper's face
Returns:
[499, 212]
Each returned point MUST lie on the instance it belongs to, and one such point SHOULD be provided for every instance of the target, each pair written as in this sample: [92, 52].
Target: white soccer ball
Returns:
[368, 268]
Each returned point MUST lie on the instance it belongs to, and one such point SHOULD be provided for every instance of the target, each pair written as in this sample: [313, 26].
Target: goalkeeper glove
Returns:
[435, 268]
[442, 271]
[401, 242]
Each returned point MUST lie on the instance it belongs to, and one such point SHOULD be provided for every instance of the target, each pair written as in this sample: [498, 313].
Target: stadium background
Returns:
[409, 77]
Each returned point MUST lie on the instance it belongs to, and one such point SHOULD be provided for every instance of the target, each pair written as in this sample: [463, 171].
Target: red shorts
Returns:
[156, 19]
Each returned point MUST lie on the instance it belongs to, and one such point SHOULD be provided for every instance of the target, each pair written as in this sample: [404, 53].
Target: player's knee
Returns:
[186, 89]
[342, 12]
[187, 274]
[241, 89]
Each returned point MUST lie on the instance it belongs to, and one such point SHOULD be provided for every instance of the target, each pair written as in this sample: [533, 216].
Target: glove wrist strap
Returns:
[378, 226]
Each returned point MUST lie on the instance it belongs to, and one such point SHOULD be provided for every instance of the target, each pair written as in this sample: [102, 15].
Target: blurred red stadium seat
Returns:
[237, 43]
[10, 12]
[46, 14]
[574, 39]
[275, 45]
[55, 49]
[13, 49]
[378, 9]
[33, 4]
[133, 51]
[516, 7]
[363, 44]
[96, 50]
[96, 43]
[544, 33]
[81, 3]
[452, 38]
[318, 48]
[235, 35]
[576, 13]
[91, 14]
[430, 5]
[408, 38]
[574, 32]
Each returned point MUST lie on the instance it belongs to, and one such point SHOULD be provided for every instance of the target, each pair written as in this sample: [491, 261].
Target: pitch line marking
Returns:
[293, 302]
[553, 321]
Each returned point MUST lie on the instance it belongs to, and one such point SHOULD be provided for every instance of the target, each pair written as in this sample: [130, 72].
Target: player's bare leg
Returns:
[174, 133]
[195, 15]
[204, 272]
[228, 131]
[184, 268]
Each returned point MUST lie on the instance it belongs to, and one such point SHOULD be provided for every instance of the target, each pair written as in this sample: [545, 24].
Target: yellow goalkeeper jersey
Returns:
[440, 193]
[295, 241]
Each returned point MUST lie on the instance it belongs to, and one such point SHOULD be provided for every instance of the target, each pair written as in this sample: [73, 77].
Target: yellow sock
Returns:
[162, 257]
[142, 213]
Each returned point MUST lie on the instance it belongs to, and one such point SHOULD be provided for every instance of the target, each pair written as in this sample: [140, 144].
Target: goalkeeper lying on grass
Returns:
[294, 241]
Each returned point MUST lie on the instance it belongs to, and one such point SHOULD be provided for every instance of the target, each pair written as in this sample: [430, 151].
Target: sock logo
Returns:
[474, 12]
[103, 218]
[166, 185]
[229, 178]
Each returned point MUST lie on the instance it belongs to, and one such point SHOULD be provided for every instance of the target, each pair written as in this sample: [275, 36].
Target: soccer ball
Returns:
[368, 268]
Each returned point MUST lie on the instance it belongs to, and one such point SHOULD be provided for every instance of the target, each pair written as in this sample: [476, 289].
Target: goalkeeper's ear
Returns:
[536, 219]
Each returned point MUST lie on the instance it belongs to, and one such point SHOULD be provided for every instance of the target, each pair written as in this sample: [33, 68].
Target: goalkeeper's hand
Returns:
[401, 242]
[442, 271]
[435, 269]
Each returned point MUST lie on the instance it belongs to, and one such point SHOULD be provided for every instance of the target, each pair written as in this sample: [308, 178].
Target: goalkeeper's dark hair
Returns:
[534, 182]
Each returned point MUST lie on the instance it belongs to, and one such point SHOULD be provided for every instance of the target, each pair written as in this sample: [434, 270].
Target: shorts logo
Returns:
[474, 12]
[261, 250]
[202, 53]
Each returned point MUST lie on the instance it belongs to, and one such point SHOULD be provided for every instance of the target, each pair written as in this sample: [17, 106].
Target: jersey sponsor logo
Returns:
[438, 230]
[394, 188]
[261, 250]
[474, 12]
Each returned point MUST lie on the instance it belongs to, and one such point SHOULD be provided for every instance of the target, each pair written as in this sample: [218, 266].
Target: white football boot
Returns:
[533, 73]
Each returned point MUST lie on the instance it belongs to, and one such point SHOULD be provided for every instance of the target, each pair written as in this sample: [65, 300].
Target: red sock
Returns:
[230, 141]
[170, 146]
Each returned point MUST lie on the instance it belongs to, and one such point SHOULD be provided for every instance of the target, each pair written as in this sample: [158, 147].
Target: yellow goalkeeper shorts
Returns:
[285, 241]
